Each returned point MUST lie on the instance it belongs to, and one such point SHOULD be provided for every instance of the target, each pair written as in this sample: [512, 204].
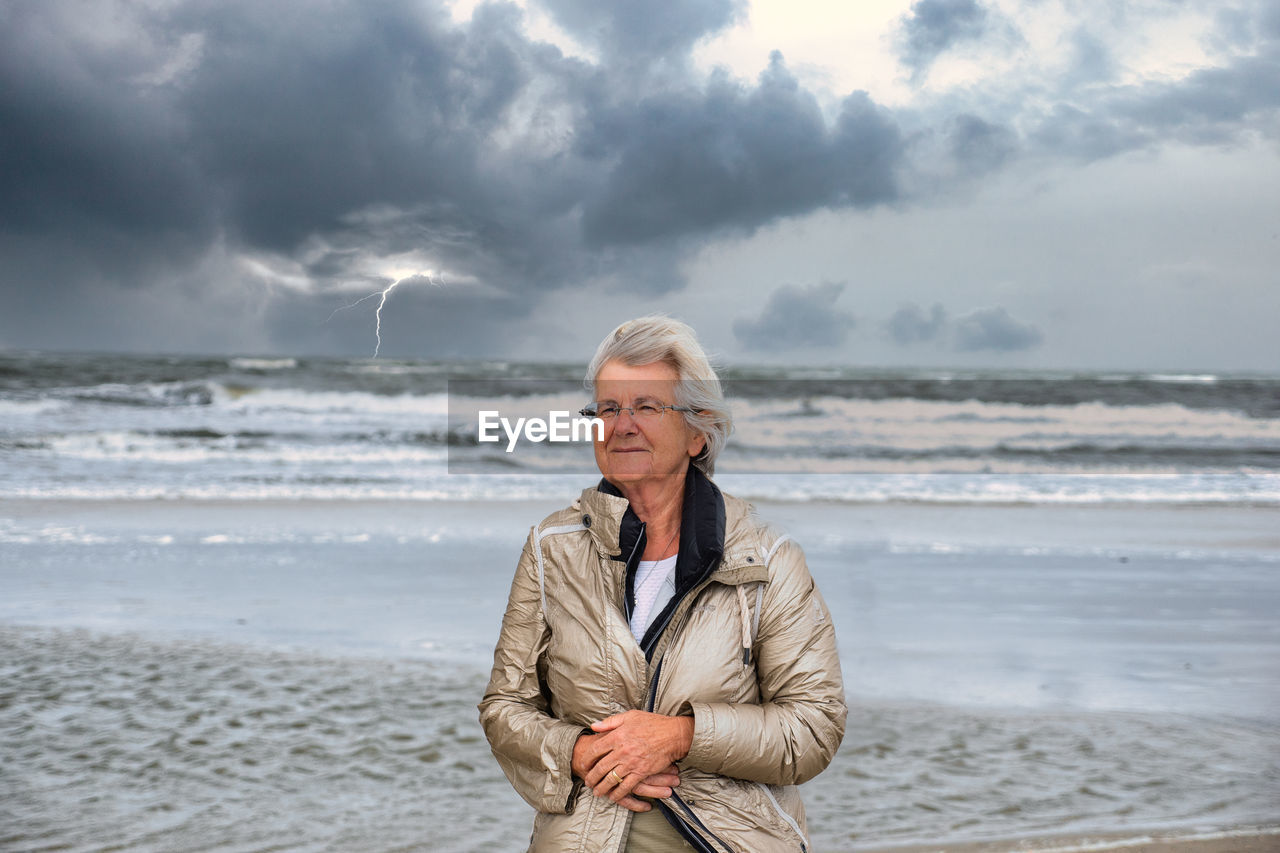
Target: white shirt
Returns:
[655, 585]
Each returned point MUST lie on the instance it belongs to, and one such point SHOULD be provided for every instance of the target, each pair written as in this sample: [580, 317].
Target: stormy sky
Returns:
[1013, 183]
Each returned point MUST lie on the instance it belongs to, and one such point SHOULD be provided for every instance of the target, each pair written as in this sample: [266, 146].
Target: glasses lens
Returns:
[644, 411]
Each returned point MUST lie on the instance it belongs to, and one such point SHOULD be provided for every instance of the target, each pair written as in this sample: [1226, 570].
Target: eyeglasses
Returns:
[644, 410]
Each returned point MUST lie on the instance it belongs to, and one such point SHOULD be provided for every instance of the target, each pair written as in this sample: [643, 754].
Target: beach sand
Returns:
[304, 675]
[1242, 840]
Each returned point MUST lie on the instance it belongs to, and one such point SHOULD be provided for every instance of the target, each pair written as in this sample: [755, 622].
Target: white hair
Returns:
[656, 338]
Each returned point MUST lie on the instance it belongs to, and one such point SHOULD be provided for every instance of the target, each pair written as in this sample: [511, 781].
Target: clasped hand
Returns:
[632, 755]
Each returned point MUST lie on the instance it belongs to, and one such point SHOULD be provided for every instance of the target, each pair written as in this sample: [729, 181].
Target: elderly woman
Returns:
[666, 672]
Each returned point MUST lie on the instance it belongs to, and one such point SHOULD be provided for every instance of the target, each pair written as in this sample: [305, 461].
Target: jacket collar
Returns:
[702, 539]
[606, 514]
[616, 529]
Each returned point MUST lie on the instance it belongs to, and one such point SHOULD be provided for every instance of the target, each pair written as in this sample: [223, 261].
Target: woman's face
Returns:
[634, 451]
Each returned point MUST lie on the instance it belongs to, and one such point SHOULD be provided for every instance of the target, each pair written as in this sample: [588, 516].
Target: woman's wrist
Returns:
[577, 763]
[682, 729]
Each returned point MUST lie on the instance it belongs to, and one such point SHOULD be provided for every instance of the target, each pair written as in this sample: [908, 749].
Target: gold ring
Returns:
[614, 774]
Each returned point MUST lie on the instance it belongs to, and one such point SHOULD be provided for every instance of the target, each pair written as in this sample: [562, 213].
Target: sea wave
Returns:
[262, 363]
[349, 484]
[282, 427]
[337, 402]
[27, 408]
[249, 452]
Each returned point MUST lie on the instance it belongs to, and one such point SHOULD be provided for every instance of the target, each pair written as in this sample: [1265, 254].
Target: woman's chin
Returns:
[628, 475]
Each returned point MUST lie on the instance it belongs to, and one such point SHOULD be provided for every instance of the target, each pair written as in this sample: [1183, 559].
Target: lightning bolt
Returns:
[377, 330]
[384, 293]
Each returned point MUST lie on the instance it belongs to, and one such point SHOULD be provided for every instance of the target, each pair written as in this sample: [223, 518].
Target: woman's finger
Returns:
[616, 783]
[663, 780]
[634, 805]
[669, 776]
[608, 724]
[652, 790]
[595, 775]
[624, 788]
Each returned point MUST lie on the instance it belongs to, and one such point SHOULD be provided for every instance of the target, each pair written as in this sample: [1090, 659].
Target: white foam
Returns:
[292, 400]
[262, 363]
[28, 408]
[931, 425]
[138, 447]
[1206, 378]
[52, 534]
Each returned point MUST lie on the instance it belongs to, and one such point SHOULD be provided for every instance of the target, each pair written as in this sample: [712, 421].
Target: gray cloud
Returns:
[797, 318]
[732, 157]
[934, 26]
[418, 317]
[911, 324]
[320, 143]
[1091, 58]
[1212, 106]
[994, 329]
[979, 146]
[96, 183]
[288, 157]
[647, 28]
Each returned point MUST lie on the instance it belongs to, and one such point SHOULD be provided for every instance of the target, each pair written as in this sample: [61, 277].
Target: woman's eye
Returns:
[648, 409]
[607, 412]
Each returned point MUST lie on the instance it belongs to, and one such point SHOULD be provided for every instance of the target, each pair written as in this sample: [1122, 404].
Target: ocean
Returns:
[132, 427]
[248, 604]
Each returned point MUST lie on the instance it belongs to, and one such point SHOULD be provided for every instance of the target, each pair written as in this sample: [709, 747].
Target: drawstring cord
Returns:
[745, 612]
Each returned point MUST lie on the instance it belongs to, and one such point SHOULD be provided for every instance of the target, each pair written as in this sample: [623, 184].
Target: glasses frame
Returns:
[592, 410]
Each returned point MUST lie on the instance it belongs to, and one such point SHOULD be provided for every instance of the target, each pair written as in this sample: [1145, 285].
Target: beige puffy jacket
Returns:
[566, 657]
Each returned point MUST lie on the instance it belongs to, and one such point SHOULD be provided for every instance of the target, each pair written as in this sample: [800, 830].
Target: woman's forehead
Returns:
[616, 380]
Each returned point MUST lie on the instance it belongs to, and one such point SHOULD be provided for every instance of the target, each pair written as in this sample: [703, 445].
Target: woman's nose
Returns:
[625, 422]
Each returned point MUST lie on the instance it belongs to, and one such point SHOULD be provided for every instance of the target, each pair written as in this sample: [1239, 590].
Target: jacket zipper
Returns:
[681, 824]
[626, 601]
[693, 818]
[782, 813]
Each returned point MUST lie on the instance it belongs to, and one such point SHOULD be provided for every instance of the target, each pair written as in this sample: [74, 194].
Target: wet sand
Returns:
[1243, 840]
[304, 675]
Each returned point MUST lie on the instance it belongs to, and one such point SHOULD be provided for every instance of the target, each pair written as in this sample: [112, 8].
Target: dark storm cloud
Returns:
[644, 27]
[376, 122]
[797, 318]
[95, 183]
[911, 324]
[729, 156]
[321, 140]
[934, 26]
[287, 125]
[994, 329]
[419, 317]
[292, 155]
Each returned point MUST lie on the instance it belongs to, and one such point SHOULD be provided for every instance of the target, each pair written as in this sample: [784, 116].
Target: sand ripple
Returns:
[112, 742]
[119, 742]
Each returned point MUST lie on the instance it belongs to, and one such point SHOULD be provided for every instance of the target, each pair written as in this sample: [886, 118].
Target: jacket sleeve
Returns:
[794, 733]
[534, 749]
